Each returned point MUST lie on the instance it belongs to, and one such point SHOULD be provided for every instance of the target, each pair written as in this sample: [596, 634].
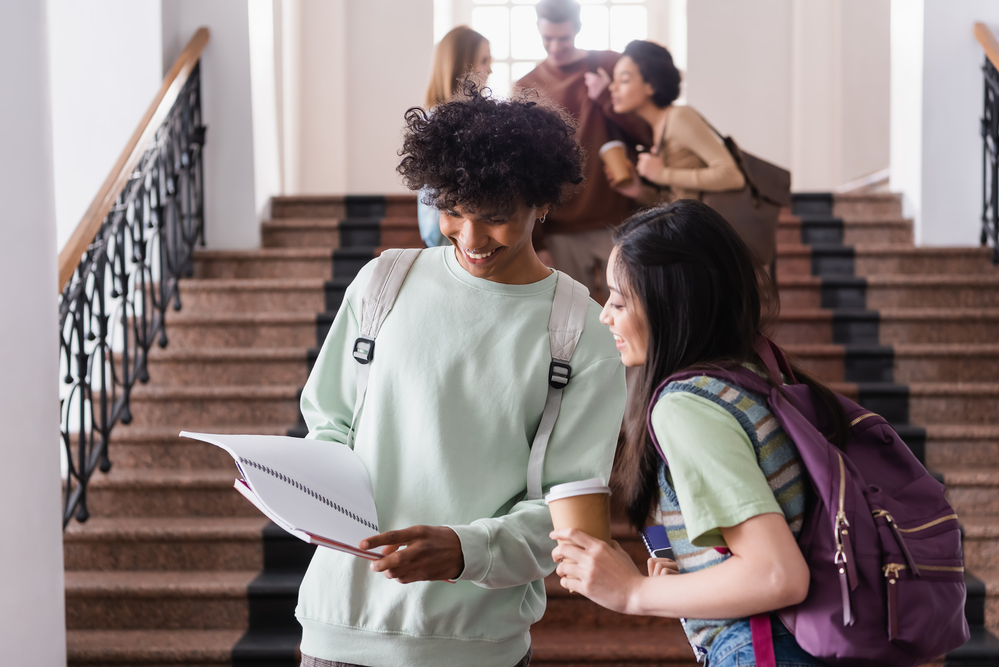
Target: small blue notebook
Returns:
[657, 542]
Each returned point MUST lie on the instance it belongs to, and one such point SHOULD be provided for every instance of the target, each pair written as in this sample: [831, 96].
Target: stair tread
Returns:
[147, 392]
[952, 388]
[165, 528]
[592, 644]
[264, 253]
[248, 319]
[250, 284]
[135, 434]
[917, 280]
[973, 431]
[152, 646]
[164, 478]
[234, 353]
[158, 583]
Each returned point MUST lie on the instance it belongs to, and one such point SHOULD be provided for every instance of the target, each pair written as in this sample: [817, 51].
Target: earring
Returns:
[542, 218]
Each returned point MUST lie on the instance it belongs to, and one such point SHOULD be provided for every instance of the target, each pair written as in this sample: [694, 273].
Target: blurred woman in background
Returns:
[461, 52]
[688, 158]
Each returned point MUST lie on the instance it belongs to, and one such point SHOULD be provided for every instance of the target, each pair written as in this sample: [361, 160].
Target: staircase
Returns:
[175, 568]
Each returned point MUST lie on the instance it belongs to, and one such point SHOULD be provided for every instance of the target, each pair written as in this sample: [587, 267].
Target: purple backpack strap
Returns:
[771, 356]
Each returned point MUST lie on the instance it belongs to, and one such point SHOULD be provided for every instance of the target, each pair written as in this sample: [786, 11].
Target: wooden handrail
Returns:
[90, 224]
[988, 42]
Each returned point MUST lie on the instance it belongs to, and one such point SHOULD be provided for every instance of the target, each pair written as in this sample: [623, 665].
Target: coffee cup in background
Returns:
[584, 505]
[615, 156]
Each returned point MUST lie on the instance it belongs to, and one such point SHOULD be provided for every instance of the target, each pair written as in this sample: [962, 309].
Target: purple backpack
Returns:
[883, 546]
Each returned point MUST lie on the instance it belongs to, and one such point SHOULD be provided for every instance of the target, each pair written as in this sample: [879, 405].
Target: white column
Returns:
[98, 96]
[226, 102]
[32, 613]
[386, 75]
[936, 149]
[739, 71]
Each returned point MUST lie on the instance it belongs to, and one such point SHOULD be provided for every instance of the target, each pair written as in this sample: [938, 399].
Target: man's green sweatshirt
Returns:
[457, 387]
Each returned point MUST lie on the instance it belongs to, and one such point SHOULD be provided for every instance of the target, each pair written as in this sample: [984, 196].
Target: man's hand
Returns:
[596, 83]
[431, 553]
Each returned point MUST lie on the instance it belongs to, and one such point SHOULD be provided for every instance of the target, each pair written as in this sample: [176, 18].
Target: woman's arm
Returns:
[766, 572]
[688, 129]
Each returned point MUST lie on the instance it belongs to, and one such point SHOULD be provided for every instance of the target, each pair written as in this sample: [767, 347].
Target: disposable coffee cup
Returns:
[584, 505]
[615, 156]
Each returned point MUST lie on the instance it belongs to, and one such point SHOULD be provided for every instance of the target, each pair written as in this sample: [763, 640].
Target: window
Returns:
[511, 27]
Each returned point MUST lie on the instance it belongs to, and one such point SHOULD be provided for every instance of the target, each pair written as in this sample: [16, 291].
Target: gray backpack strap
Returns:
[391, 270]
[565, 326]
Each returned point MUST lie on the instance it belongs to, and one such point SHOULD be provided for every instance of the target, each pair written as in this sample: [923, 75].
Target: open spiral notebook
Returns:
[318, 491]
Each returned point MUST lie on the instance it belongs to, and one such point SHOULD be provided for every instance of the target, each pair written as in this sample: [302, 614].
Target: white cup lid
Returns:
[581, 488]
[611, 144]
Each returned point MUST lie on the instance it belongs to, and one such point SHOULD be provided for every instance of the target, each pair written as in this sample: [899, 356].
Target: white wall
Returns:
[802, 83]
[230, 195]
[98, 96]
[939, 158]
[264, 95]
[32, 613]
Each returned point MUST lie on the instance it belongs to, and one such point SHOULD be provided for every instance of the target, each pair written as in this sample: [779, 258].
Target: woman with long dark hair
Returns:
[687, 295]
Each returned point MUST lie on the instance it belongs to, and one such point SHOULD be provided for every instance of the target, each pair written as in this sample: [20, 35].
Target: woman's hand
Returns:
[632, 189]
[596, 83]
[658, 566]
[600, 571]
[432, 553]
[651, 167]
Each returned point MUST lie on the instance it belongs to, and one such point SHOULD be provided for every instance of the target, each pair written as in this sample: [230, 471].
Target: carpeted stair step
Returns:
[827, 230]
[899, 260]
[240, 330]
[161, 447]
[150, 648]
[867, 205]
[167, 493]
[948, 403]
[939, 325]
[157, 600]
[204, 408]
[344, 206]
[396, 232]
[972, 491]
[253, 295]
[962, 445]
[214, 366]
[567, 610]
[933, 291]
[165, 543]
[981, 542]
[989, 580]
[303, 262]
[946, 362]
[611, 647]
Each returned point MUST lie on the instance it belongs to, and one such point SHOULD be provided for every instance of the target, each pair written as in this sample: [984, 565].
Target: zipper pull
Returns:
[844, 586]
[901, 542]
[891, 574]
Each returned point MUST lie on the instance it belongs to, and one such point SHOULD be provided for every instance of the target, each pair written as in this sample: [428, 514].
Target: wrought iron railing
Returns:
[990, 142]
[114, 307]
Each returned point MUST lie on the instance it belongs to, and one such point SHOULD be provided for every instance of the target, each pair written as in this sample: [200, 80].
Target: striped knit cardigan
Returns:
[778, 459]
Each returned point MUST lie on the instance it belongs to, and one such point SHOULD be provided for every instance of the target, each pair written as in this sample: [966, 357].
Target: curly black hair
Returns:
[484, 153]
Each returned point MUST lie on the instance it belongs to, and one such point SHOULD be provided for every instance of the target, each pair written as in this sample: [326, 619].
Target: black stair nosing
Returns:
[812, 203]
[842, 291]
[868, 362]
[982, 650]
[889, 400]
[974, 605]
[365, 206]
[267, 649]
[829, 259]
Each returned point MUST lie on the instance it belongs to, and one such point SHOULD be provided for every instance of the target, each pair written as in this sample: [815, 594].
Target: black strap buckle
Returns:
[364, 350]
[559, 374]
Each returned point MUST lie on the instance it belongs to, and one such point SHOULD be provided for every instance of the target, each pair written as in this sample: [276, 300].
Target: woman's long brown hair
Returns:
[454, 58]
[705, 301]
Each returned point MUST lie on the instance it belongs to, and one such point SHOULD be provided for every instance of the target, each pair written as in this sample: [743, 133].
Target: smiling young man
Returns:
[455, 397]
[578, 234]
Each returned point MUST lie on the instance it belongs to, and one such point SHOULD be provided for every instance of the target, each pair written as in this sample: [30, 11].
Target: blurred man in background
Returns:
[578, 234]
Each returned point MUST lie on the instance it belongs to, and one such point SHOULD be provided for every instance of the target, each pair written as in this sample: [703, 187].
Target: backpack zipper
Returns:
[844, 550]
[895, 530]
[892, 571]
[862, 418]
